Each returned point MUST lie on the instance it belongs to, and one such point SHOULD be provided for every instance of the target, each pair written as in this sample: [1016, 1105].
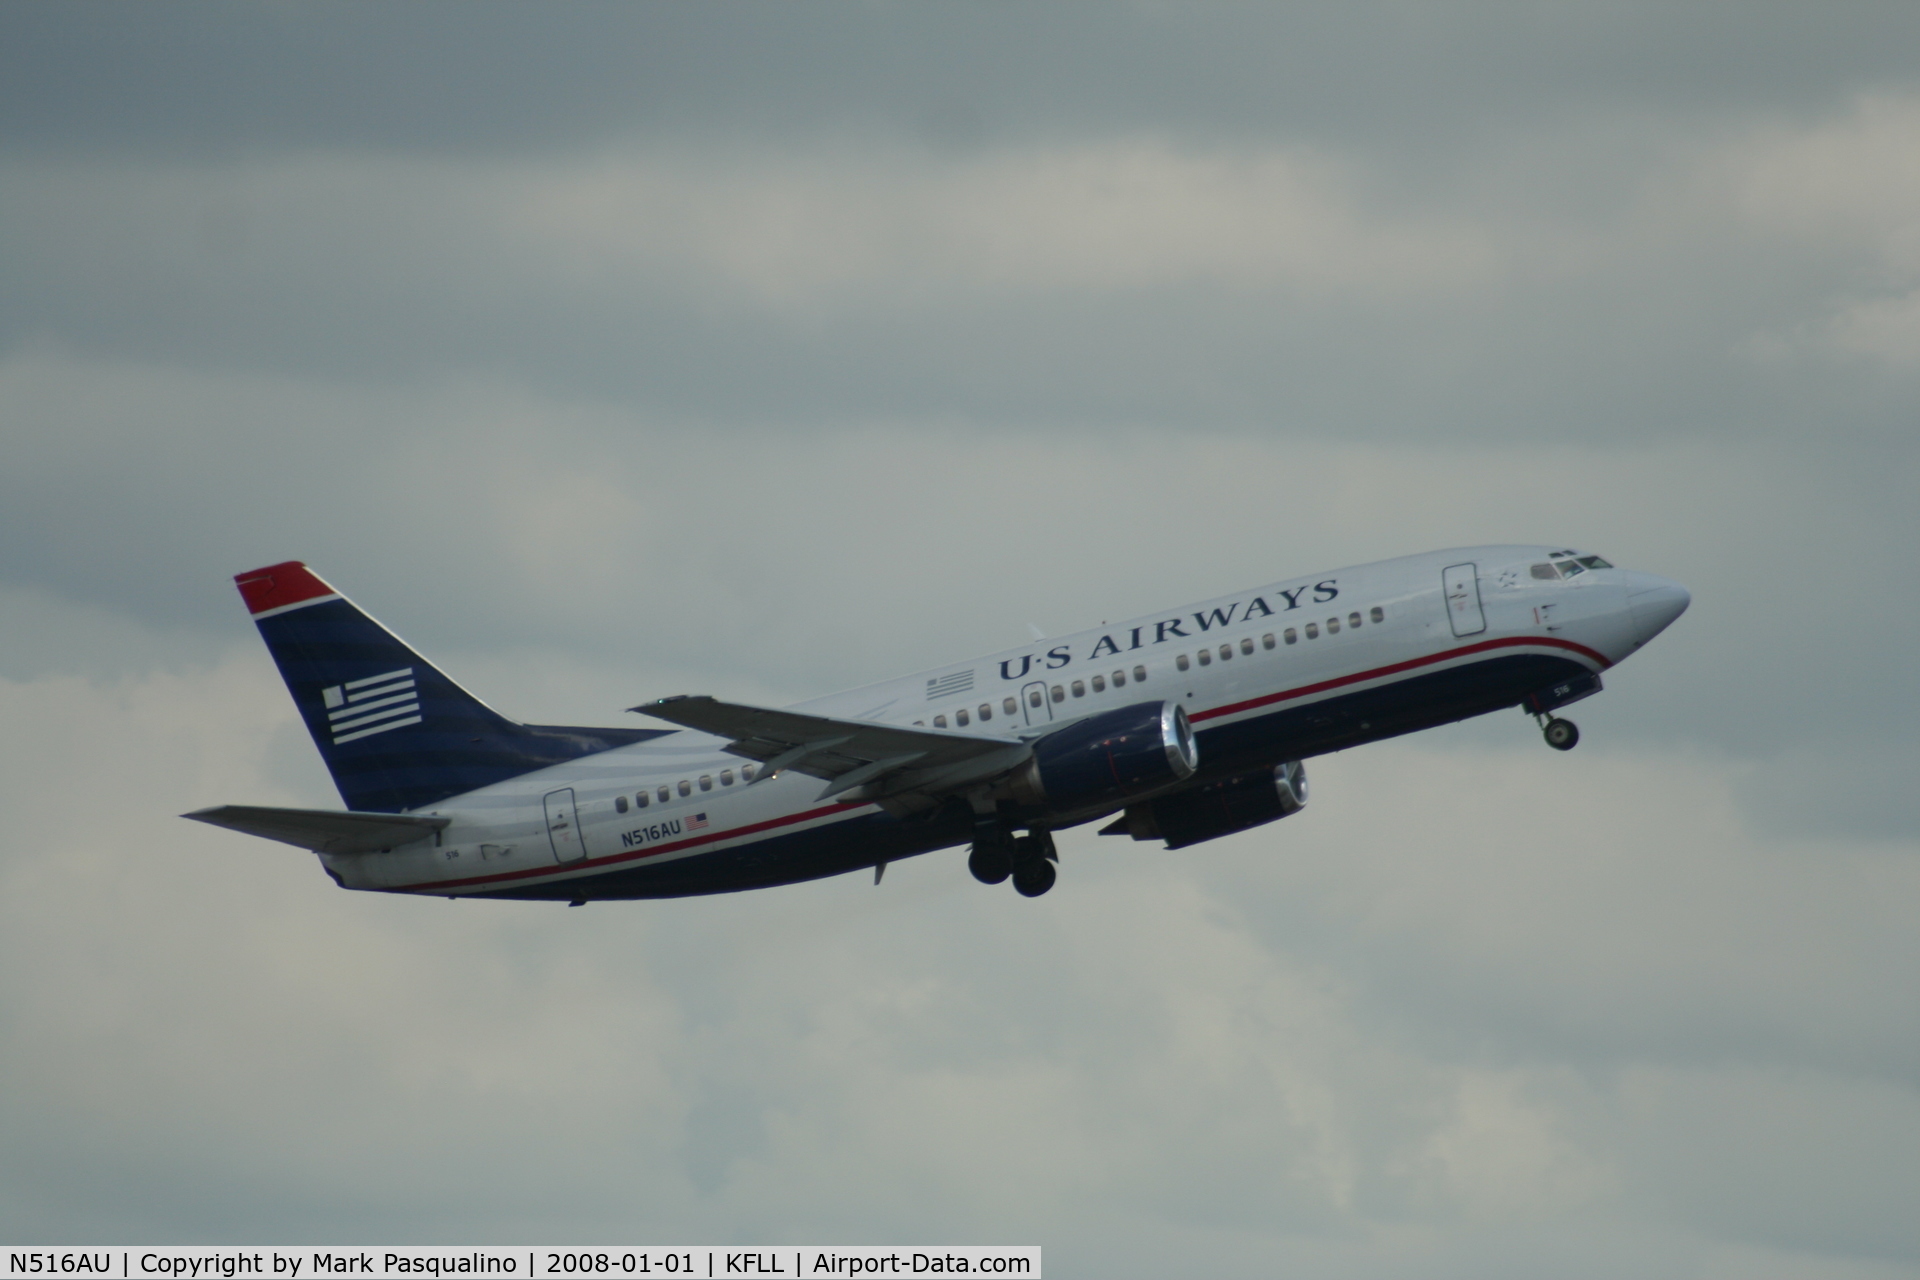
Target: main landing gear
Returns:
[1561, 735]
[1028, 860]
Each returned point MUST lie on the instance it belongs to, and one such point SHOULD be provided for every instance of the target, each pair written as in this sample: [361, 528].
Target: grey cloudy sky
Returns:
[607, 352]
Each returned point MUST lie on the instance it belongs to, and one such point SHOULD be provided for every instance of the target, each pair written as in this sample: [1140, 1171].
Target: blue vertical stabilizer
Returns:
[395, 732]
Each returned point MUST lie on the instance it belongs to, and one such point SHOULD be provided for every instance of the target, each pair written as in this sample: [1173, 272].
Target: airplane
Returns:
[1181, 726]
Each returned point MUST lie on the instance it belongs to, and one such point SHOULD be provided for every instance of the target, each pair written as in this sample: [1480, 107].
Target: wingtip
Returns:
[647, 708]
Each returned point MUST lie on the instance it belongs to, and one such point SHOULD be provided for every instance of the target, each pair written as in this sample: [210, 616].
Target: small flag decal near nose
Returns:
[362, 708]
[697, 822]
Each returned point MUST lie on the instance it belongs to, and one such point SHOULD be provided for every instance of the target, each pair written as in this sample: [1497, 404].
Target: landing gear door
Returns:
[1033, 701]
[1461, 583]
[563, 826]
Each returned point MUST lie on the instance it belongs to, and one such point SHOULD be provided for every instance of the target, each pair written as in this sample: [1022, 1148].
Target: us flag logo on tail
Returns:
[362, 708]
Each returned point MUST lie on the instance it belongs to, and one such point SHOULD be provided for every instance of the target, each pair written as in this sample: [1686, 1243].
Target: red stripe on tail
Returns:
[279, 585]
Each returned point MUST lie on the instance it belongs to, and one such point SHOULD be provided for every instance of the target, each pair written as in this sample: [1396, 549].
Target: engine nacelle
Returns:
[1113, 756]
[1217, 809]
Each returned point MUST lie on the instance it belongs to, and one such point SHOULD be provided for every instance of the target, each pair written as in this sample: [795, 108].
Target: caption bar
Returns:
[791, 1262]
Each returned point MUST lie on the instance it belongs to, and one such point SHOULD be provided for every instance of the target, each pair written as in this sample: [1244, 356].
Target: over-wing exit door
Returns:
[1033, 700]
[1461, 583]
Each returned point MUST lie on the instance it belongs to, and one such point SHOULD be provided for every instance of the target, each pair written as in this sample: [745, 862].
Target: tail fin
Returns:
[395, 732]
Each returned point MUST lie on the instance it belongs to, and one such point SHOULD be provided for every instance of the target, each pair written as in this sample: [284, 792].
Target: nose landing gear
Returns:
[1561, 735]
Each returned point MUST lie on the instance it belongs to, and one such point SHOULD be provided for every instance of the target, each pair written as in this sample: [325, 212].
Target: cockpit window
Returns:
[1546, 571]
[1569, 567]
[1594, 562]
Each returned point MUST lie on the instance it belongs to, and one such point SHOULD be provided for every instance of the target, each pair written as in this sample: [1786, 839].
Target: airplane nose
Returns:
[1655, 603]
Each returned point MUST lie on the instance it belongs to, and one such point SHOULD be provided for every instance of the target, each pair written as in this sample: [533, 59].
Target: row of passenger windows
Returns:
[664, 793]
[1078, 688]
[1011, 705]
[1290, 636]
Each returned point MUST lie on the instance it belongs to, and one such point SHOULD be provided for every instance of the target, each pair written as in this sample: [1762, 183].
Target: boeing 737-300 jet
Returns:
[1180, 726]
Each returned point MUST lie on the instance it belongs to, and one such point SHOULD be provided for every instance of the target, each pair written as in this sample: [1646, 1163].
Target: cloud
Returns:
[1395, 1013]
[831, 231]
[683, 357]
[1630, 279]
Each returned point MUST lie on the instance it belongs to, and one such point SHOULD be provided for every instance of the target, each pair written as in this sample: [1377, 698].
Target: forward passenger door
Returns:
[1461, 585]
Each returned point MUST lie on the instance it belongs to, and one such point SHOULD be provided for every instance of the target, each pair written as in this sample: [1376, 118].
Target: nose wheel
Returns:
[1561, 735]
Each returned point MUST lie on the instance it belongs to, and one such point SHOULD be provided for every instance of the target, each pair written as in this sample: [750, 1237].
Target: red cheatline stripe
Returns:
[435, 886]
[1376, 673]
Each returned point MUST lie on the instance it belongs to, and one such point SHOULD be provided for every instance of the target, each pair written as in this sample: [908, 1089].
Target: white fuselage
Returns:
[1270, 655]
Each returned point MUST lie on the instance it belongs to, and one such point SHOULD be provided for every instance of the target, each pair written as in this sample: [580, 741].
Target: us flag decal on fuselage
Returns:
[948, 685]
[362, 708]
[697, 822]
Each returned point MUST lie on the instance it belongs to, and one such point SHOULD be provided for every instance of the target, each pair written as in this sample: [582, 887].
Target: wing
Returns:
[875, 759]
[322, 830]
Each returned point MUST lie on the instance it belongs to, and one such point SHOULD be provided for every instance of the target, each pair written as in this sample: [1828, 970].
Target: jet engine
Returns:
[1118, 754]
[1216, 809]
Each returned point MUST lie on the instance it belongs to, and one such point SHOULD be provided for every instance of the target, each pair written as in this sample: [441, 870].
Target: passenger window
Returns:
[1353, 619]
[1099, 684]
[1139, 674]
[1079, 689]
[1205, 656]
[706, 782]
[619, 804]
[939, 722]
[1119, 679]
[919, 724]
[1011, 706]
[1377, 614]
[1313, 631]
[1246, 646]
[1546, 572]
[1266, 641]
[1033, 699]
[960, 719]
[746, 774]
[1181, 662]
[1226, 651]
[726, 777]
[1291, 636]
[986, 712]
[641, 799]
[1059, 694]
[684, 787]
[664, 795]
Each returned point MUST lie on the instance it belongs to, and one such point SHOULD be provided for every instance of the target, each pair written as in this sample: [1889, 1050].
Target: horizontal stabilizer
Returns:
[322, 830]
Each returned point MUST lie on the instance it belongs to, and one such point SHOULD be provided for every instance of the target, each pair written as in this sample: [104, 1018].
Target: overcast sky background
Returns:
[613, 352]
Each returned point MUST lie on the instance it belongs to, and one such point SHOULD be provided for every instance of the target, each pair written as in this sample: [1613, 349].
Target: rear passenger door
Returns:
[563, 826]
